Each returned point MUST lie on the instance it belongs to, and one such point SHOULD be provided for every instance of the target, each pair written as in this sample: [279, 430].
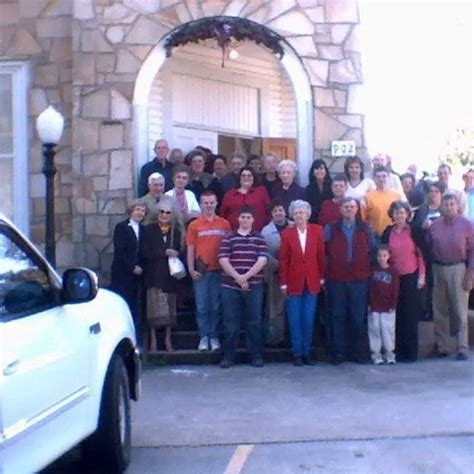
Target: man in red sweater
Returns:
[349, 244]
[383, 297]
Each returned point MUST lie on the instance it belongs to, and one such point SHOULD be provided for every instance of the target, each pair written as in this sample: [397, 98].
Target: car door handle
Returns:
[95, 328]
[11, 368]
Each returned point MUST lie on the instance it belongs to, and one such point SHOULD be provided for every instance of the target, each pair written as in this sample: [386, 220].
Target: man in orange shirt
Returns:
[203, 240]
[377, 202]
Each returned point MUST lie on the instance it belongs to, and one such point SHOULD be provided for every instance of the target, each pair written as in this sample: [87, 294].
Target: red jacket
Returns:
[256, 197]
[298, 269]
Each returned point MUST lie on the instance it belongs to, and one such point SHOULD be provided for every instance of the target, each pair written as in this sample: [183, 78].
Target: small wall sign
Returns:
[343, 148]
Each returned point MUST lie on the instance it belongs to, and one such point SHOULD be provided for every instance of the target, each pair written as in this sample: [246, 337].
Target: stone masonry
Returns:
[85, 56]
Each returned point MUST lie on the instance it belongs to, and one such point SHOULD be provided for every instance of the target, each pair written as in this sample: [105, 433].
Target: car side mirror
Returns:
[79, 285]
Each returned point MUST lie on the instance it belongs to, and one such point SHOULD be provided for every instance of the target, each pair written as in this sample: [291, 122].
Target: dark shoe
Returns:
[461, 356]
[298, 361]
[257, 362]
[438, 355]
[356, 359]
[226, 364]
[337, 360]
[308, 360]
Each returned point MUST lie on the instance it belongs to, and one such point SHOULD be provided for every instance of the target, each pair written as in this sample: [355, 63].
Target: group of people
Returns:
[381, 251]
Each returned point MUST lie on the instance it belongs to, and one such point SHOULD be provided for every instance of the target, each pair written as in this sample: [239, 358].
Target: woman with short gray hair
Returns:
[301, 276]
[287, 190]
[299, 205]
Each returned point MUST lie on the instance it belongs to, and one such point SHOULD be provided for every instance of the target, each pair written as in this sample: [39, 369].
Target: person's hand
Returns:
[421, 282]
[171, 253]
[137, 270]
[467, 283]
[240, 279]
[195, 275]
[426, 224]
[245, 285]
[284, 291]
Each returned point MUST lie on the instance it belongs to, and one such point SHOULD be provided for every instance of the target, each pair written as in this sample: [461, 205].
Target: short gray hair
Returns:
[299, 204]
[156, 177]
[287, 164]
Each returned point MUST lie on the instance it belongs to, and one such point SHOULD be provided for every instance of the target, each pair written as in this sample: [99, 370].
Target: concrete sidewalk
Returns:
[196, 406]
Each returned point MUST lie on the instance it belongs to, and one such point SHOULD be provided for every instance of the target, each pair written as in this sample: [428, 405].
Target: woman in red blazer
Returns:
[301, 275]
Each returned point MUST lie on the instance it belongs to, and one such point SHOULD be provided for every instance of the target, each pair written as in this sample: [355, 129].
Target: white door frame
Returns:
[302, 92]
[20, 72]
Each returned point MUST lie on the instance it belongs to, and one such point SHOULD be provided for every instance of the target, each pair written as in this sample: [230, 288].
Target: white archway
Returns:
[302, 92]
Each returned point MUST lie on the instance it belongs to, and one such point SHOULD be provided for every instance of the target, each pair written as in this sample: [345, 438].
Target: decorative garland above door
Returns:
[226, 31]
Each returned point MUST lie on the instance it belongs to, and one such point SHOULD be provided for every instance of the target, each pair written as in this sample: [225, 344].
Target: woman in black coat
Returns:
[161, 240]
[127, 265]
[318, 189]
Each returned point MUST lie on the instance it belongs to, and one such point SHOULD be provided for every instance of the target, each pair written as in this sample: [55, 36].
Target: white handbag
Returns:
[176, 267]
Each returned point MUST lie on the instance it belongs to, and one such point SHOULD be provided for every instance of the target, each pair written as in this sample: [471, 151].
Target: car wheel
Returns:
[109, 447]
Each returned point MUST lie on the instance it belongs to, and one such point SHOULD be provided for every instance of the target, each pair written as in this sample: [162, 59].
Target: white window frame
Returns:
[20, 73]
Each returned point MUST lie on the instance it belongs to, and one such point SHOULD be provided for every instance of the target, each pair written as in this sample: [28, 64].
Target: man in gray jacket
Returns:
[275, 301]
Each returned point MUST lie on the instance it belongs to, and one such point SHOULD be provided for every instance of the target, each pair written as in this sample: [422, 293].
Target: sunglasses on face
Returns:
[164, 212]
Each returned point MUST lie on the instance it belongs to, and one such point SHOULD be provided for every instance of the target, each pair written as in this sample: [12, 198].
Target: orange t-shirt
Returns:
[206, 236]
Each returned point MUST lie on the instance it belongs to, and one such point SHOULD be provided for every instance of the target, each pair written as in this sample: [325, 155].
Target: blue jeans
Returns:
[301, 311]
[207, 292]
[347, 301]
[240, 305]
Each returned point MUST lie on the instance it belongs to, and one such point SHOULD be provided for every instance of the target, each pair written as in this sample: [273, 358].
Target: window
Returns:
[14, 142]
[24, 287]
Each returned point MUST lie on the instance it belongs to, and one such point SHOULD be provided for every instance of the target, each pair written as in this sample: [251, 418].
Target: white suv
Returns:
[68, 360]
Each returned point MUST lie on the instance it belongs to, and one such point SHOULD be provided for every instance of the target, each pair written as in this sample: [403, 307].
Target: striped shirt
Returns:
[243, 252]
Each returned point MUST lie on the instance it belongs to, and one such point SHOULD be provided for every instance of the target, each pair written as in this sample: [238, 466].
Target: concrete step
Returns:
[194, 357]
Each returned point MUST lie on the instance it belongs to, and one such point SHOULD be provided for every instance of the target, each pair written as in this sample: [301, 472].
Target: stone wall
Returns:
[109, 40]
[39, 32]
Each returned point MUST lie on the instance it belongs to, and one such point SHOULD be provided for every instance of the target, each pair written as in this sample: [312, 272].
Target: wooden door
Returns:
[284, 148]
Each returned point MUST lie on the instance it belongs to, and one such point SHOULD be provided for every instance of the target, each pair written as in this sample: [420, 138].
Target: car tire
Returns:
[109, 447]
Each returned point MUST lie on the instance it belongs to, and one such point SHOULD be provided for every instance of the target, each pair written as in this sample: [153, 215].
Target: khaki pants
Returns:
[382, 334]
[450, 304]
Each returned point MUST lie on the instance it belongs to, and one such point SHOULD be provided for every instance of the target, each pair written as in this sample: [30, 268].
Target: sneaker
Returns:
[461, 356]
[258, 362]
[378, 360]
[226, 364]
[215, 344]
[391, 361]
[203, 344]
[298, 361]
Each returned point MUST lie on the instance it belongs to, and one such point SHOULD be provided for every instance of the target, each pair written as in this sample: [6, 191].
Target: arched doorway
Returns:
[154, 64]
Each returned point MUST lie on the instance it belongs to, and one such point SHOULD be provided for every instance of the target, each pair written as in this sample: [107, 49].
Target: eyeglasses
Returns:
[246, 175]
[164, 212]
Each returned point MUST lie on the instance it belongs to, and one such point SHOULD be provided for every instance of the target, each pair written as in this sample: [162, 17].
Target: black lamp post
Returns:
[50, 125]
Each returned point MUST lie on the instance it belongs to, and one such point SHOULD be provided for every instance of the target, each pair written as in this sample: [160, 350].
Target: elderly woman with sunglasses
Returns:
[162, 239]
[246, 193]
